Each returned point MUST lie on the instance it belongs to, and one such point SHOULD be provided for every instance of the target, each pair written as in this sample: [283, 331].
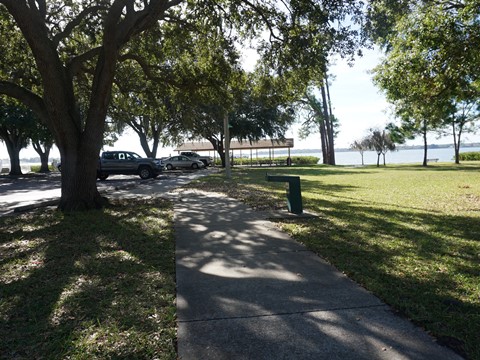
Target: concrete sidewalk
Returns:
[246, 290]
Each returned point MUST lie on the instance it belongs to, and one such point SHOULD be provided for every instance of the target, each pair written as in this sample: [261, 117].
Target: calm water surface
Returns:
[396, 157]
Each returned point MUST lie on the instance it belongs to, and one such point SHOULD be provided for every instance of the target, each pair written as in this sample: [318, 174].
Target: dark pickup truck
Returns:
[127, 163]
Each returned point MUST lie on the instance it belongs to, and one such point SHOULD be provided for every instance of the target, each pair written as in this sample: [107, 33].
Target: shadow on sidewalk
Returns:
[246, 290]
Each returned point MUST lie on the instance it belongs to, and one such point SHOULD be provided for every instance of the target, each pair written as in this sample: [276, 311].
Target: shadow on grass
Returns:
[99, 284]
[237, 274]
[312, 170]
[426, 265]
[465, 166]
[325, 170]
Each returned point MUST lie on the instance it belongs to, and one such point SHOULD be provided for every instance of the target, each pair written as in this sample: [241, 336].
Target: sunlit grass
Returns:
[101, 285]
[88, 286]
[410, 235]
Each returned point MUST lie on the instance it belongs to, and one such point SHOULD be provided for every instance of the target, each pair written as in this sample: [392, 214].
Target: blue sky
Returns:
[357, 103]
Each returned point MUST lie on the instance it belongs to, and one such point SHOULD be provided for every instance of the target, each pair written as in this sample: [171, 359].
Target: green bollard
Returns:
[294, 192]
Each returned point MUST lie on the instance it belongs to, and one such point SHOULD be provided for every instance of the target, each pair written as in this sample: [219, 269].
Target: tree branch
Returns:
[75, 22]
[136, 22]
[146, 68]
[265, 19]
[75, 64]
[40, 6]
[26, 97]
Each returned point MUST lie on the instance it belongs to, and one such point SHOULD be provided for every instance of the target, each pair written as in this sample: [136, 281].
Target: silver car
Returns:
[181, 162]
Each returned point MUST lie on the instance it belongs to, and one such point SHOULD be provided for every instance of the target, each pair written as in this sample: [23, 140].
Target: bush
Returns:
[36, 168]
[470, 156]
[281, 160]
[305, 160]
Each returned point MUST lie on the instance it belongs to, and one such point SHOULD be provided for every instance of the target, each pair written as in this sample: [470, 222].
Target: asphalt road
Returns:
[17, 193]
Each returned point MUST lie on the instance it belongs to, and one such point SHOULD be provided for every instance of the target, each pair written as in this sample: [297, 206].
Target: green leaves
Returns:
[431, 68]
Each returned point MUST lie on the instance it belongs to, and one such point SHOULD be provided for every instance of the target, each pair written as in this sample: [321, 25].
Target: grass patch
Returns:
[36, 168]
[96, 285]
[408, 234]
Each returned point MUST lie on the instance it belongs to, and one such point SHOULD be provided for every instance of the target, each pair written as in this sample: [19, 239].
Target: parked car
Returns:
[125, 163]
[207, 160]
[182, 162]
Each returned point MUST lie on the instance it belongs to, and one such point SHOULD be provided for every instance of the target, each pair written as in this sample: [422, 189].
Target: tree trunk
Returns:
[457, 148]
[323, 140]
[79, 157]
[328, 128]
[457, 153]
[425, 144]
[454, 132]
[222, 158]
[44, 162]
[331, 131]
[43, 153]
[144, 143]
[218, 146]
[156, 141]
[14, 154]
[14, 144]
[79, 182]
[457, 141]
[155, 138]
[14, 141]
[378, 159]
[320, 120]
[142, 135]
[79, 151]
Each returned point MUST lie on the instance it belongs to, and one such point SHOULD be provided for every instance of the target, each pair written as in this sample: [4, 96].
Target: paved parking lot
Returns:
[22, 191]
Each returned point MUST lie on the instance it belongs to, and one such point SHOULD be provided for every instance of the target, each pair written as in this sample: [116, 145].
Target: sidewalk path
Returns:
[246, 290]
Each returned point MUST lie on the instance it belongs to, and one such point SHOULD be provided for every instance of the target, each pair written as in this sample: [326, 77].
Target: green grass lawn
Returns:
[99, 285]
[102, 284]
[409, 234]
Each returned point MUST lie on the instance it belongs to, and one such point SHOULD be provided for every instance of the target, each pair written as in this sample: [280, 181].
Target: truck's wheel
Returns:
[204, 162]
[145, 172]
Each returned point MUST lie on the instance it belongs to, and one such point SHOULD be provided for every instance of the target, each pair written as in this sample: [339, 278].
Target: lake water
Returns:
[394, 157]
[413, 156]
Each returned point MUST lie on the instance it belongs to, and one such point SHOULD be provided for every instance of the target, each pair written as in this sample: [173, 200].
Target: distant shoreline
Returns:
[306, 151]
[401, 147]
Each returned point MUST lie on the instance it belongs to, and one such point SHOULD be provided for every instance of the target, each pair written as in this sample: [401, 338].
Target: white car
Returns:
[181, 162]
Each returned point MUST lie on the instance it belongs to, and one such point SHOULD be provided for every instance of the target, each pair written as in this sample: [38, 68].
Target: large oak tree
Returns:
[64, 37]
[76, 45]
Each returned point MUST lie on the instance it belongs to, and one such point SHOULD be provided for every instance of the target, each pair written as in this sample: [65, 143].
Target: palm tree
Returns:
[361, 146]
[381, 142]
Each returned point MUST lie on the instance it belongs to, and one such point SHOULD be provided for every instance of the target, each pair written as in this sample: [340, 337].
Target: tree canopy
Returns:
[431, 67]
[75, 47]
